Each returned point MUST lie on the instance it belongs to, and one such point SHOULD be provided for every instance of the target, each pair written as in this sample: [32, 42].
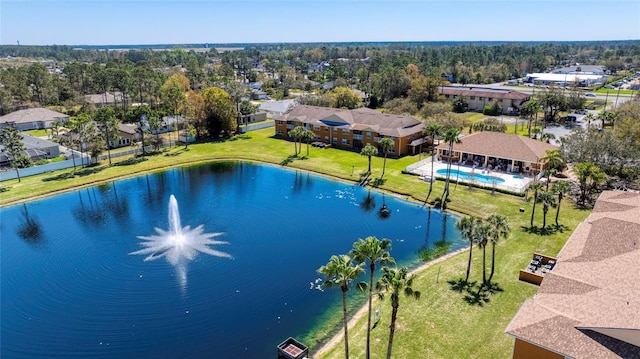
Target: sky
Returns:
[121, 22]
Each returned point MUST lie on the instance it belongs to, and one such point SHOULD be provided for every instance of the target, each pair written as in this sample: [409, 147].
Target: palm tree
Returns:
[535, 187]
[296, 133]
[386, 144]
[561, 188]
[369, 151]
[466, 226]
[308, 135]
[451, 137]
[555, 163]
[590, 177]
[340, 272]
[548, 200]
[373, 250]
[481, 235]
[499, 228]
[395, 280]
[434, 131]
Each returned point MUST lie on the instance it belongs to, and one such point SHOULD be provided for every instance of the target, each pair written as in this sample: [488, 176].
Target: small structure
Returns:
[292, 349]
[537, 268]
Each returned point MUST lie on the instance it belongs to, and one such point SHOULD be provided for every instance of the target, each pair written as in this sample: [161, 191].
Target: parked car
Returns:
[590, 95]
[582, 112]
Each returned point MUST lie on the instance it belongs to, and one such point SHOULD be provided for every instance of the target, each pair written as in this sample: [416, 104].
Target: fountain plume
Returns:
[178, 242]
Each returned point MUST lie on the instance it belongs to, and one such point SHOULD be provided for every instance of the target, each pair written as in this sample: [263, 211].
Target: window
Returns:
[480, 98]
[472, 98]
[278, 132]
[345, 141]
[335, 140]
[345, 131]
[326, 128]
[326, 138]
[316, 127]
[368, 134]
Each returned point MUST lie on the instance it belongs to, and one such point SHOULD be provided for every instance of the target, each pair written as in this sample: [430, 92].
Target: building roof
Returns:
[36, 142]
[589, 305]
[362, 119]
[33, 115]
[127, 128]
[281, 106]
[104, 98]
[568, 78]
[502, 145]
[483, 92]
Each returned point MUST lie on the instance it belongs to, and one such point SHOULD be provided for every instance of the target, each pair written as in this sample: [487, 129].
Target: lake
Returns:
[72, 289]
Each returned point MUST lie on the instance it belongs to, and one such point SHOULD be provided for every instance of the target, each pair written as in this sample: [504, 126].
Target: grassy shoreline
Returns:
[447, 321]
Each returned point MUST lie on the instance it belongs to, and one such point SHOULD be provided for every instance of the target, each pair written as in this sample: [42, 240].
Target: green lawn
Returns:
[442, 324]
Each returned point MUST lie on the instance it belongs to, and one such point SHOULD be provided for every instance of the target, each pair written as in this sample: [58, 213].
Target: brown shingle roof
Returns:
[589, 305]
[358, 119]
[33, 115]
[497, 144]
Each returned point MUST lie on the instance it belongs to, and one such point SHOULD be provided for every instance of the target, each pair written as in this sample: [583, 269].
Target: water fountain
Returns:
[179, 242]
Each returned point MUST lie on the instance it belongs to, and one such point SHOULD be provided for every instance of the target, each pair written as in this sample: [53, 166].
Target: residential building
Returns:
[253, 117]
[277, 108]
[36, 148]
[498, 151]
[127, 134]
[32, 119]
[354, 129]
[588, 306]
[478, 97]
[105, 99]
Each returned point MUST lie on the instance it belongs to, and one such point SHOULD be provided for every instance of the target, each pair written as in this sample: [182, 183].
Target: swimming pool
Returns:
[467, 176]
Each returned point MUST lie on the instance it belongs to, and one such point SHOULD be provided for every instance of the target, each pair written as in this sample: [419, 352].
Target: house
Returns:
[499, 151]
[32, 119]
[588, 306]
[479, 97]
[354, 129]
[277, 108]
[36, 148]
[127, 134]
[105, 99]
[259, 95]
[252, 117]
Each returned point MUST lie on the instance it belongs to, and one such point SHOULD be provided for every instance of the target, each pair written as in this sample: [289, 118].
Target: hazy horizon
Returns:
[152, 22]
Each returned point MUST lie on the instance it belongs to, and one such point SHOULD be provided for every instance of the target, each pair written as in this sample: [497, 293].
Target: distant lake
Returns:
[71, 289]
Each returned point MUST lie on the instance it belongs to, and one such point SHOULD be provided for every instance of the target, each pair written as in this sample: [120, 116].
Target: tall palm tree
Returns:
[396, 281]
[386, 144]
[434, 131]
[590, 176]
[308, 135]
[499, 228]
[297, 134]
[450, 137]
[467, 226]
[340, 272]
[481, 238]
[369, 151]
[560, 188]
[555, 163]
[535, 187]
[548, 200]
[373, 250]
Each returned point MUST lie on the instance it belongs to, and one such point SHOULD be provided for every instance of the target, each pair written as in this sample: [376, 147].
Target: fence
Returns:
[257, 126]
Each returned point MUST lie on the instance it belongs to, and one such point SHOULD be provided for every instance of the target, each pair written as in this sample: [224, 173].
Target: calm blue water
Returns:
[70, 289]
[467, 176]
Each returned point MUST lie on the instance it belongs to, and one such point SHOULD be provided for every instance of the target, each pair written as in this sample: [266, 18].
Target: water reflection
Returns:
[29, 228]
[384, 212]
[368, 203]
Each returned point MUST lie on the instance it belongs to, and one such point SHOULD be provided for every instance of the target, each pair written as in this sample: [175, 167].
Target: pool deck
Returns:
[511, 183]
